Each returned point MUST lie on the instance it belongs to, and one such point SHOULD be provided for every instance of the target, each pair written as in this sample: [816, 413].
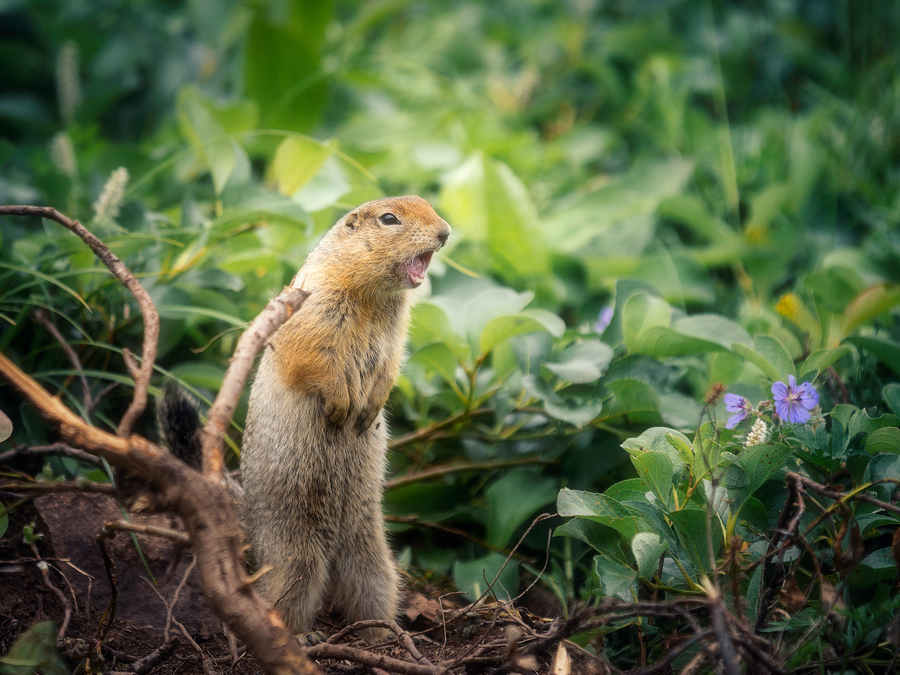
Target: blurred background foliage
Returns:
[646, 196]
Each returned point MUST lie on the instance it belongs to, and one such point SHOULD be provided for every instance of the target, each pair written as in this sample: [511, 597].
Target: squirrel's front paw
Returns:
[365, 419]
[337, 412]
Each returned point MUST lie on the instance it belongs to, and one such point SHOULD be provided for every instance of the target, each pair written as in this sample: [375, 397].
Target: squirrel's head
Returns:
[388, 243]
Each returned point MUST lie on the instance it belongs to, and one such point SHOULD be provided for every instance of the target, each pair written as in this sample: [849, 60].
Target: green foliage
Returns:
[720, 179]
[34, 652]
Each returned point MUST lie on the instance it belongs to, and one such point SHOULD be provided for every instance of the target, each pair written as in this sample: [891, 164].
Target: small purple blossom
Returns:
[793, 402]
[604, 319]
[736, 404]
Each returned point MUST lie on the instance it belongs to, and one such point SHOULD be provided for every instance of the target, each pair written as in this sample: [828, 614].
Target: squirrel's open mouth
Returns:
[416, 268]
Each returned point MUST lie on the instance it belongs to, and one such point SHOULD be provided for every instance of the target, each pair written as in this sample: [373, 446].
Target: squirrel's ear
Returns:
[350, 221]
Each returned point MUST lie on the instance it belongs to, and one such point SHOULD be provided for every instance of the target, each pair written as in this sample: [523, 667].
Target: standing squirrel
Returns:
[314, 451]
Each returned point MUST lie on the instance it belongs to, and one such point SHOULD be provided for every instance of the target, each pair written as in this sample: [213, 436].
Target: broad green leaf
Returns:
[616, 579]
[577, 410]
[513, 499]
[647, 548]
[872, 302]
[759, 462]
[431, 324]
[439, 358]
[602, 509]
[631, 489]
[297, 160]
[682, 446]
[595, 223]
[282, 63]
[692, 335]
[489, 305]
[888, 351]
[770, 355]
[489, 204]
[582, 362]
[4, 520]
[691, 211]
[660, 440]
[862, 423]
[642, 312]
[599, 537]
[631, 397]
[34, 651]
[473, 577]
[823, 358]
[655, 469]
[503, 328]
[6, 427]
[690, 527]
[891, 394]
[886, 439]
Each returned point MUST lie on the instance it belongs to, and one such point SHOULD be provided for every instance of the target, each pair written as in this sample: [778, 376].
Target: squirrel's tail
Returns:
[179, 424]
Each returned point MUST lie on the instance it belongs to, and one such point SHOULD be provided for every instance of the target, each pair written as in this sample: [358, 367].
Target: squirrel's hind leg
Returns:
[296, 586]
[364, 580]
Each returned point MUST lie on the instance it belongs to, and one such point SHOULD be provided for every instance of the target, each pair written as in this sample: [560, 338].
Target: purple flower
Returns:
[793, 402]
[604, 319]
[736, 404]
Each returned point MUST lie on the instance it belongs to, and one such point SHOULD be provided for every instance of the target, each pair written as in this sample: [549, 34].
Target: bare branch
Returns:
[122, 273]
[207, 509]
[279, 310]
[55, 449]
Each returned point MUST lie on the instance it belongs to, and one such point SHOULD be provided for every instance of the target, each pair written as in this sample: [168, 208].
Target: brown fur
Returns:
[314, 451]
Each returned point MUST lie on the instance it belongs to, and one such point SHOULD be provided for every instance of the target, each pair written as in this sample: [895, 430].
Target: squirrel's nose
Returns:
[443, 234]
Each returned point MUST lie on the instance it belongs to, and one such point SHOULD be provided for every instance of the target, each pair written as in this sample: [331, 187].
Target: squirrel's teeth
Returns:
[418, 266]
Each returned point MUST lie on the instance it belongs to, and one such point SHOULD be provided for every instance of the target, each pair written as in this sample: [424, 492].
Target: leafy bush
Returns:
[647, 200]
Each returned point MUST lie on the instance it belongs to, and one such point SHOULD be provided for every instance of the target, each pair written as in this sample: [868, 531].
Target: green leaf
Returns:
[824, 358]
[439, 358]
[759, 462]
[513, 499]
[770, 356]
[6, 427]
[617, 580]
[473, 576]
[692, 335]
[573, 409]
[34, 651]
[659, 439]
[642, 312]
[488, 305]
[602, 509]
[503, 328]
[282, 63]
[297, 160]
[887, 351]
[631, 397]
[489, 204]
[690, 526]
[872, 302]
[886, 439]
[582, 362]
[891, 394]
[4, 520]
[655, 469]
[647, 548]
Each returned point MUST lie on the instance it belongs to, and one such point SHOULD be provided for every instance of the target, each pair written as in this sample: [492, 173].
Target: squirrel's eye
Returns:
[389, 219]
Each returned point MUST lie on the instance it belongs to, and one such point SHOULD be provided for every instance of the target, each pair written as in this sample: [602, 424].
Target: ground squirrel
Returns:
[313, 456]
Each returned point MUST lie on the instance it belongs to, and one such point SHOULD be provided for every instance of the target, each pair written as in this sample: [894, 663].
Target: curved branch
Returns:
[123, 274]
[207, 510]
[279, 310]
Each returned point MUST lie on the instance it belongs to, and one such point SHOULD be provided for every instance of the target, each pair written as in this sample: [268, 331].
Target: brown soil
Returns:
[69, 523]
